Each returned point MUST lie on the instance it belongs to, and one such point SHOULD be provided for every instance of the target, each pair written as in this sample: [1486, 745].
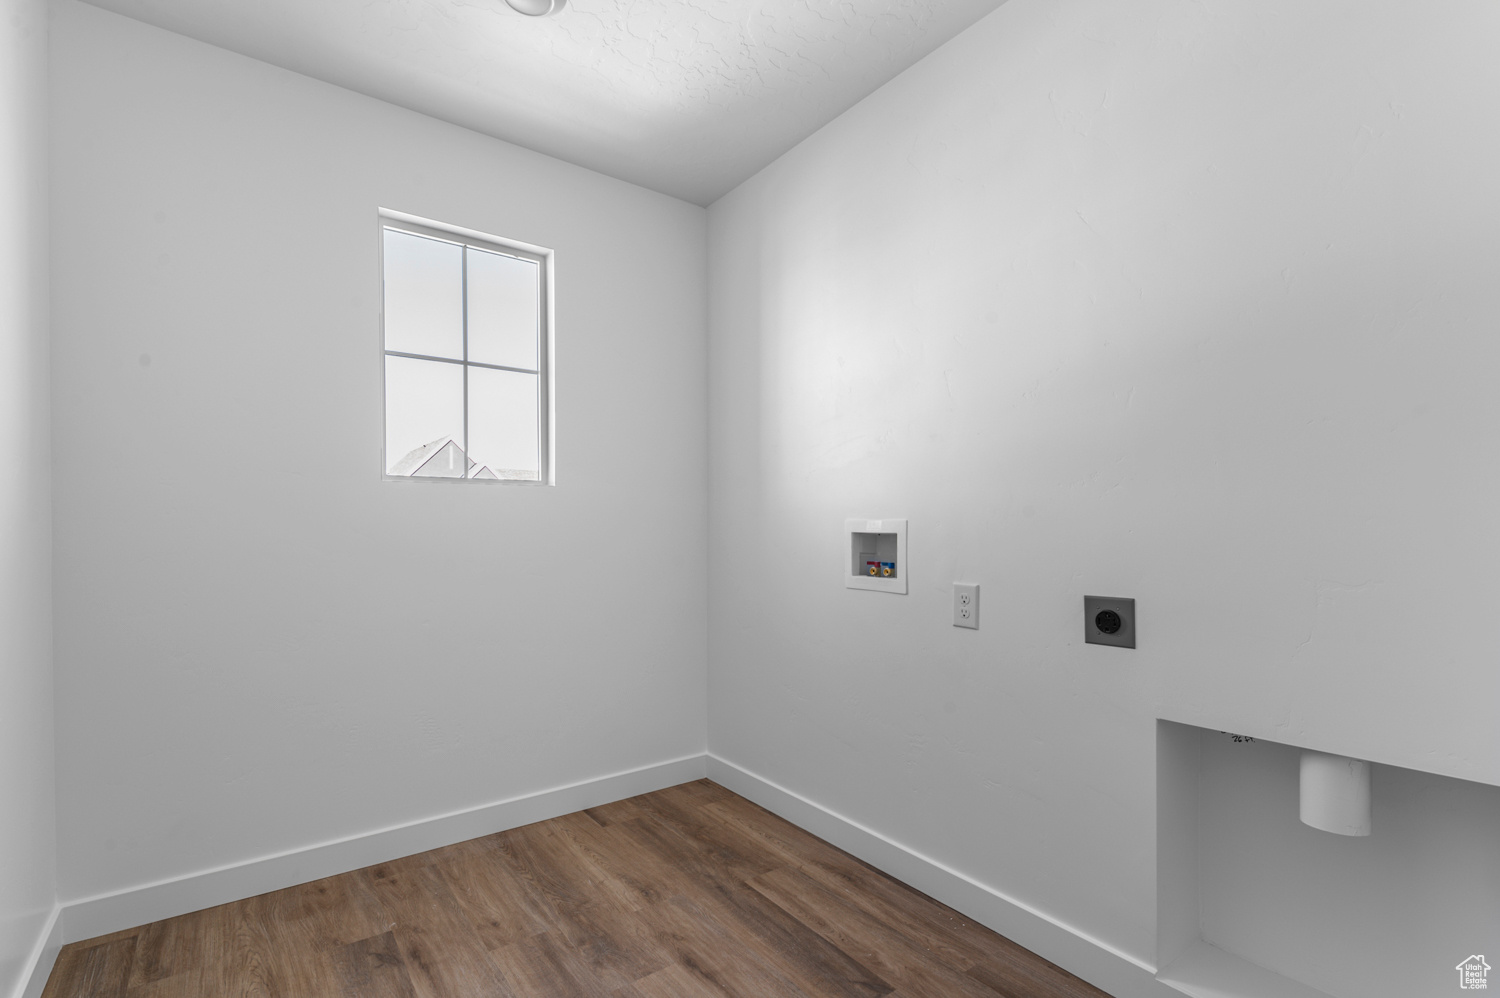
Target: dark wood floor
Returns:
[686, 893]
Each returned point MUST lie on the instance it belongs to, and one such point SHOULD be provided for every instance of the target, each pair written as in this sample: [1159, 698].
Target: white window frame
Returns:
[546, 345]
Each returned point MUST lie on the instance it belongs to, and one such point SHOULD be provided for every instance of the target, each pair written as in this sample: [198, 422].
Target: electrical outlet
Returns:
[966, 605]
[1109, 620]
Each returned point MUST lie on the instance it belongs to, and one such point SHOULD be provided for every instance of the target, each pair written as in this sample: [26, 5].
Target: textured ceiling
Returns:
[688, 97]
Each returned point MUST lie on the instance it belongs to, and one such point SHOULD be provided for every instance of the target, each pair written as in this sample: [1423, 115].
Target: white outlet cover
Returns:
[966, 604]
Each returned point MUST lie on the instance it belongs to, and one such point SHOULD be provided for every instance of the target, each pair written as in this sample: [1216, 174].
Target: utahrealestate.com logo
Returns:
[1472, 973]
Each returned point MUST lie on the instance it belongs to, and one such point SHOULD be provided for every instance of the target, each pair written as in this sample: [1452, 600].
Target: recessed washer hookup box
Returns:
[876, 552]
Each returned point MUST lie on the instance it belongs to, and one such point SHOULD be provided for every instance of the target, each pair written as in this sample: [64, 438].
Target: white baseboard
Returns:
[95, 916]
[1098, 963]
[38, 966]
[1103, 966]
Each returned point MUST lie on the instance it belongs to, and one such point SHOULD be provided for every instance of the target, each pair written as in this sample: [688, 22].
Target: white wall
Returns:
[27, 852]
[261, 645]
[1190, 303]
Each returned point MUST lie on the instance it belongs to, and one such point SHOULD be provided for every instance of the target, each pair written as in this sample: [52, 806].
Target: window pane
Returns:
[424, 295]
[503, 434]
[424, 411]
[504, 299]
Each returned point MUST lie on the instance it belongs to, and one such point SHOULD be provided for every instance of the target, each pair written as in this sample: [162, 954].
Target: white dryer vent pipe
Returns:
[1335, 793]
[537, 8]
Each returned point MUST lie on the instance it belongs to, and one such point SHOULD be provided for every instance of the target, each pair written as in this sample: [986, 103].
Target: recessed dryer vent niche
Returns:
[876, 553]
[1253, 902]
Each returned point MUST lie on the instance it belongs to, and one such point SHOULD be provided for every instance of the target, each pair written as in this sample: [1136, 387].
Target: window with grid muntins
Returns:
[465, 326]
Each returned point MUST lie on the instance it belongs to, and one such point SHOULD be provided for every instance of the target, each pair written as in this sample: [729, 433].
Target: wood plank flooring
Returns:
[692, 892]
